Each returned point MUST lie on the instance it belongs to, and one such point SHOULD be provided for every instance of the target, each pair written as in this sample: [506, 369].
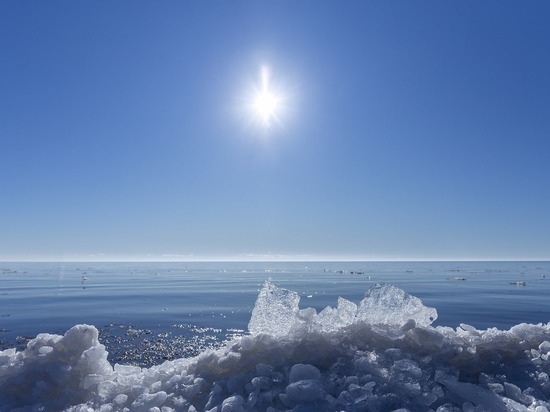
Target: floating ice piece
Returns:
[347, 310]
[389, 305]
[275, 311]
[330, 319]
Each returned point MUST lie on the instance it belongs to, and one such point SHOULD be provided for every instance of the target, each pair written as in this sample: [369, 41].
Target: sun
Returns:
[266, 102]
[265, 106]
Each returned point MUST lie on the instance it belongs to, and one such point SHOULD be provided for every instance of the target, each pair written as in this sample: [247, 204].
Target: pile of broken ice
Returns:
[380, 355]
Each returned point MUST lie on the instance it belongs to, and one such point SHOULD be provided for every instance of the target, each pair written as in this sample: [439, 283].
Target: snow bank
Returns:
[380, 355]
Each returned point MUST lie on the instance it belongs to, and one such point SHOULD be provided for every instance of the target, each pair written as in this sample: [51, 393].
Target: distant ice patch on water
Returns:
[381, 354]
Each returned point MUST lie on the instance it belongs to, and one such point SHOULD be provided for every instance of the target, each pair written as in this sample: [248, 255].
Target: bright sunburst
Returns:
[266, 102]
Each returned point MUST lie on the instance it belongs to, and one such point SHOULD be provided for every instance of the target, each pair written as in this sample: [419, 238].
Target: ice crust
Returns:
[380, 355]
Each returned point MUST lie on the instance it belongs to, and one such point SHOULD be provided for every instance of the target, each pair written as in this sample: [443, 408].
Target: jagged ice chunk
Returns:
[275, 311]
[389, 305]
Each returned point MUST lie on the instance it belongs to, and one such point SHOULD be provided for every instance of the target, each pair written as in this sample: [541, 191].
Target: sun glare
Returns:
[266, 102]
[265, 105]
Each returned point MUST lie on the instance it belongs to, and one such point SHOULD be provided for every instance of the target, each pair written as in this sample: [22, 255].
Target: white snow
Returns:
[380, 355]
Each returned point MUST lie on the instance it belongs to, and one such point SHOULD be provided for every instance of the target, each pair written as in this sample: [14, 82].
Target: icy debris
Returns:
[275, 311]
[346, 311]
[389, 305]
[302, 372]
[342, 359]
[53, 365]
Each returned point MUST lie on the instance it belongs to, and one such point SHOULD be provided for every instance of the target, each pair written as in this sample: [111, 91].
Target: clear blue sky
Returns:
[411, 130]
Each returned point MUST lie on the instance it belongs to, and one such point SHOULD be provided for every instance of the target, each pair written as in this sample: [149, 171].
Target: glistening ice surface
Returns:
[379, 354]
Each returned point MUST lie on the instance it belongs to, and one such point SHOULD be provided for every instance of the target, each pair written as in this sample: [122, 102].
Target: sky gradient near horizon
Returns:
[410, 130]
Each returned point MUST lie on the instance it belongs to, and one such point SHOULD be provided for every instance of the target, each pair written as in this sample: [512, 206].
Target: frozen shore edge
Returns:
[380, 354]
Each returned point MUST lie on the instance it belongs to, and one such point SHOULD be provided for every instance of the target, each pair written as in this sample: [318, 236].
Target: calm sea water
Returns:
[158, 297]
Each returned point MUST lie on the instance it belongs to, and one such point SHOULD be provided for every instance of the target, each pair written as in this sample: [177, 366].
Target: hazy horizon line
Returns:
[259, 259]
